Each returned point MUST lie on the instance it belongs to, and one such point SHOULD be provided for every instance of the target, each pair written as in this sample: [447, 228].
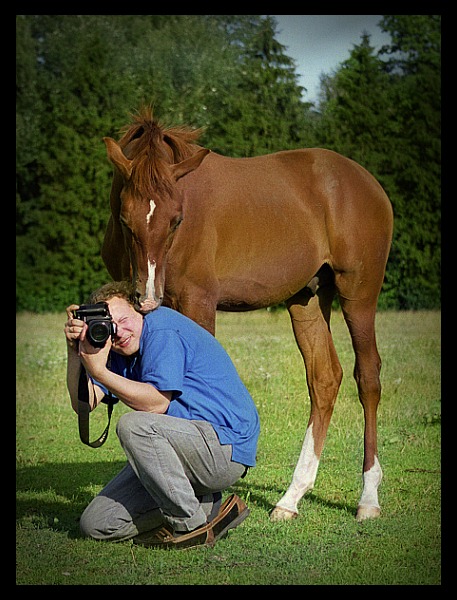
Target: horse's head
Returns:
[149, 211]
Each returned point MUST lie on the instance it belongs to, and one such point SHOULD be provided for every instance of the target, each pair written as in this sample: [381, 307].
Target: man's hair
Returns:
[118, 289]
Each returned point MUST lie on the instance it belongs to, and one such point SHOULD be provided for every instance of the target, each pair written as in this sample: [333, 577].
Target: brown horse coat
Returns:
[200, 232]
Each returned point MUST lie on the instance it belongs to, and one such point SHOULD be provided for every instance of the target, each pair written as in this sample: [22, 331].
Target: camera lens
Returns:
[99, 332]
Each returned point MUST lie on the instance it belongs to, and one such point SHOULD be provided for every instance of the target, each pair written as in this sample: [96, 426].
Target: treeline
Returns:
[80, 77]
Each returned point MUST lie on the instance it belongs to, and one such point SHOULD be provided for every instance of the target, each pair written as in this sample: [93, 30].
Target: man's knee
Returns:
[89, 522]
[126, 425]
[100, 521]
[136, 423]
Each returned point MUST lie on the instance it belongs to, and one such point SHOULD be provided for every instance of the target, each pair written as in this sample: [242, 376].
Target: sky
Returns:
[318, 43]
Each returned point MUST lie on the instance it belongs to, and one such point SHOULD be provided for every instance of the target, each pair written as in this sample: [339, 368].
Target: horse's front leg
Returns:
[302, 481]
[310, 319]
[199, 304]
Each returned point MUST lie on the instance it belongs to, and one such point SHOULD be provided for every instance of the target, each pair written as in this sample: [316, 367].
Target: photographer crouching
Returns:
[193, 428]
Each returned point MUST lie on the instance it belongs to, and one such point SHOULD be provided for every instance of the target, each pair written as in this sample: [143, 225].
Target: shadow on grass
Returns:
[55, 494]
[257, 495]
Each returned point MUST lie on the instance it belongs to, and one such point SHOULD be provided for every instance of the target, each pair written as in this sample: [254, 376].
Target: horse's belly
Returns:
[265, 287]
[252, 275]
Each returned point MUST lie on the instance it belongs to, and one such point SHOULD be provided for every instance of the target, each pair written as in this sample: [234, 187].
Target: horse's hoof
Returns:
[282, 514]
[367, 512]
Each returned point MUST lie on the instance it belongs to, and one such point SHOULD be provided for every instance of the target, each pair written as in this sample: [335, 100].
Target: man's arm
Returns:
[135, 394]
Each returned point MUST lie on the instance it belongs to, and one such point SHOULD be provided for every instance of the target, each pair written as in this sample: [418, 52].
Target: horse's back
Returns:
[334, 178]
[311, 188]
[272, 221]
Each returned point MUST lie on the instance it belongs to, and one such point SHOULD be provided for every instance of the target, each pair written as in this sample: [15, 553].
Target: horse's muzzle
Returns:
[146, 304]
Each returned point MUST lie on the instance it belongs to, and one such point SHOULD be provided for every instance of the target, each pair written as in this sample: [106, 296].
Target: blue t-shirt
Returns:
[178, 355]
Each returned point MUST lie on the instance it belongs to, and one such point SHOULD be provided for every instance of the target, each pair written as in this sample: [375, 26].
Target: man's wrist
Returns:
[72, 351]
[98, 373]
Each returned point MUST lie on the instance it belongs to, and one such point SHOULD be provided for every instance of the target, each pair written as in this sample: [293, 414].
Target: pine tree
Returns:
[78, 79]
[64, 211]
[385, 114]
[415, 157]
[355, 108]
[262, 110]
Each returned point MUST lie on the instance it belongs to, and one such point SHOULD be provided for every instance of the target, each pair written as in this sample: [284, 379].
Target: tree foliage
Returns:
[78, 78]
[386, 114]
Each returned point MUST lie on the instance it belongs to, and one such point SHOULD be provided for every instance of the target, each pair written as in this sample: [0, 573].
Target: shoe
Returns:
[231, 514]
[164, 537]
[211, 504]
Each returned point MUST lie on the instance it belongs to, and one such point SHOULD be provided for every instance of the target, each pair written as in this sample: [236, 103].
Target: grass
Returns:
[57, 476]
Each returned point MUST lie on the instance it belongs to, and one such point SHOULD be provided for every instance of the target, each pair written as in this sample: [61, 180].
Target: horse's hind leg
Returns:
[310, 315]
[359, 308]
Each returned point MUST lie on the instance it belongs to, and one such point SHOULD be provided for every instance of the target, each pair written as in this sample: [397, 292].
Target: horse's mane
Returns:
[152, 147]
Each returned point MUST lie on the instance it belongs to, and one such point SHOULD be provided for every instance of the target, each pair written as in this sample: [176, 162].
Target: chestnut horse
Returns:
[197, 231]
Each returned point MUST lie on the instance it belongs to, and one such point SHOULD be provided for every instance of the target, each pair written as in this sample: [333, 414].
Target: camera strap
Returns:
[84, 410]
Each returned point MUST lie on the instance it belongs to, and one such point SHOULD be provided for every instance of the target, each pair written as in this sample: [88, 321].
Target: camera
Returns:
[100, 325]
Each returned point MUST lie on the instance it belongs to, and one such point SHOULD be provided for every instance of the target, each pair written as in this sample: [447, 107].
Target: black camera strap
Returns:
[84, 411]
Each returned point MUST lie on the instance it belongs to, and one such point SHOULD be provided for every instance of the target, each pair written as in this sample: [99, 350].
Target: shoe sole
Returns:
[232, 524]
[204, 538]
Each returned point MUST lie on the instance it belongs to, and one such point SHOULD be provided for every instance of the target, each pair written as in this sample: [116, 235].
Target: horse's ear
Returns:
[118, 158]
[189, 164]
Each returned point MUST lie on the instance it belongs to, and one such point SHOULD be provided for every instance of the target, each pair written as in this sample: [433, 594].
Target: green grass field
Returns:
[57, 475]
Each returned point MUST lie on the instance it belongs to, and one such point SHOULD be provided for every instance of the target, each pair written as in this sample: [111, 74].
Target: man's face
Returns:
[129, 324]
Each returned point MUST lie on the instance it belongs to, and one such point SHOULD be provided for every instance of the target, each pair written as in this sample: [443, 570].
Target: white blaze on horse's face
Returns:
[152, 204]
[149, 301]
[150, 284]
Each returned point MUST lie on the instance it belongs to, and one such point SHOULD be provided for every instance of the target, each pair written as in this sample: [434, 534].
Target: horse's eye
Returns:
[176, 222]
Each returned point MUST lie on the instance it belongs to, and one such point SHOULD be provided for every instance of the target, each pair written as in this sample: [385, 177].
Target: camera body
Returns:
[100, 324]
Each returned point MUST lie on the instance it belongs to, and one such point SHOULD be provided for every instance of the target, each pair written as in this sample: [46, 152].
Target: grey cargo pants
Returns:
[171, 461]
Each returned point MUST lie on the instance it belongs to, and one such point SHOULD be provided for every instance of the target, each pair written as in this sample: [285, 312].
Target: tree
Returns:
[385, 114]
[63, 211]
[79, 77]
[355, 108]
[415, 70]
[261, 109]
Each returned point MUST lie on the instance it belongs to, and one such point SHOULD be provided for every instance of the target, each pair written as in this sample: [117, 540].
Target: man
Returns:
[192, 433]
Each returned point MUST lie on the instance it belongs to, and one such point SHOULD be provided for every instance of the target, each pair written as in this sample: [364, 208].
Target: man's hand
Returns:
[93, 359]
[74, 328]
